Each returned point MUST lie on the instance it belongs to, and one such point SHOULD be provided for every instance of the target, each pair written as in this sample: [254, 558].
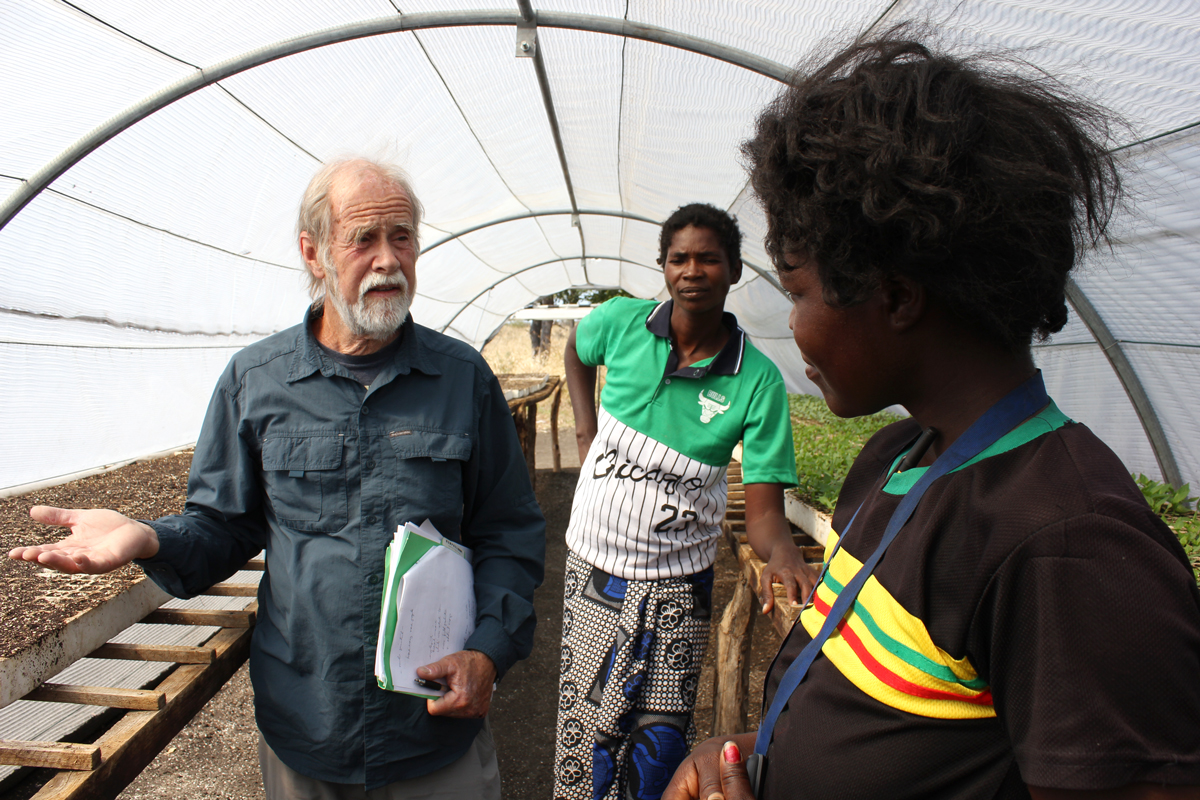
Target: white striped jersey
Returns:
[651, 495]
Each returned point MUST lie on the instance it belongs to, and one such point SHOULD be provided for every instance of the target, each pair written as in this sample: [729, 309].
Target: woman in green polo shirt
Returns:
[684, 386]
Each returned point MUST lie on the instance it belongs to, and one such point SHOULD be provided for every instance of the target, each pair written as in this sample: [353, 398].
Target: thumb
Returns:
[49, 515]
[735, 782]
[438, 669]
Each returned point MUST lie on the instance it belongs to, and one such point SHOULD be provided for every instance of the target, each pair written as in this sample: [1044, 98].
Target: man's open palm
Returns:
[100, 540]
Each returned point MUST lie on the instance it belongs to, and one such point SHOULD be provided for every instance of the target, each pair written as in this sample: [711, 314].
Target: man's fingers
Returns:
[51, 556]
[456, 703]
[443, 705]
[58, 560]
[469, 675]
[735, 782]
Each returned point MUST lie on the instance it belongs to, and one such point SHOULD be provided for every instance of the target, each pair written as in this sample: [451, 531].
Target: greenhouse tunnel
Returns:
[153, 156]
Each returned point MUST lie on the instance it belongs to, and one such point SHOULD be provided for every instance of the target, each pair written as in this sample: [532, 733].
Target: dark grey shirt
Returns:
[365, 369]
[297, 457]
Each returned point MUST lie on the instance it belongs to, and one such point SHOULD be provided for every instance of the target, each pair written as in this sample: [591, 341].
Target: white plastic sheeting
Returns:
[129, 281]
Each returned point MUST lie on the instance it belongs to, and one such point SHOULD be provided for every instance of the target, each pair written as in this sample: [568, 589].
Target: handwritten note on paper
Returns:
[435, 614]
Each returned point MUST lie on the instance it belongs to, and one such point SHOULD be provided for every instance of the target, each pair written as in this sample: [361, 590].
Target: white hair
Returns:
[316, 209]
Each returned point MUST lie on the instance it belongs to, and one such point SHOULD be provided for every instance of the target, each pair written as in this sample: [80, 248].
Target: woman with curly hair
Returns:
[1000, 614]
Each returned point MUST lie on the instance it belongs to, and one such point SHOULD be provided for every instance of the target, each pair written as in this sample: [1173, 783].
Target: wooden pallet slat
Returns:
[228, 589]
[133, 699]
[137, 738]
[179, 654]
[50, 755]
[193, 616]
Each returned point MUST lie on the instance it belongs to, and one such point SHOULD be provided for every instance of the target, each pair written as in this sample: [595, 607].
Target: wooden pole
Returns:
[554, 448]
[731, 681]
[134, 699]
[531, 441]
[196, 616]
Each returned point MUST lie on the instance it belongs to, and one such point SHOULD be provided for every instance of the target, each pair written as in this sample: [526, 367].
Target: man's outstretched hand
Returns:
[100, 540]
[470, 675]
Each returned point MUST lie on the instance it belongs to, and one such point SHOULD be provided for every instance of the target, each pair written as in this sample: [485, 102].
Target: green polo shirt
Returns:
[647, 391]
[652, 489]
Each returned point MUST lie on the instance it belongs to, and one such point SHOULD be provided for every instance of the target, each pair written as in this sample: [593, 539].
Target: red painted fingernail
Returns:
[732, 754]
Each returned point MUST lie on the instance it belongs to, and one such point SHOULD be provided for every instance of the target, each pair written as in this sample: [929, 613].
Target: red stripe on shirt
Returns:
[886, 676]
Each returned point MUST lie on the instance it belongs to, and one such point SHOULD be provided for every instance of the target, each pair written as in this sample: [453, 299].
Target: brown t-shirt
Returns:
[1033, 623]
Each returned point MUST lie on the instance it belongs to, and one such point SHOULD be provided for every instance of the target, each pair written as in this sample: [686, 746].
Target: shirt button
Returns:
[374, 578]
[369, 464]
[372, 520]
[668, 380]
[365, 411]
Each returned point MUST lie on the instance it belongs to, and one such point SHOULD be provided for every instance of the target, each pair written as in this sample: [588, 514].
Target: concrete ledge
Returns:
[806, 518]
[81, 634]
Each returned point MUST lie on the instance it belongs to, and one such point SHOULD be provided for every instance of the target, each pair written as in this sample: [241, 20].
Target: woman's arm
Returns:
[581, 383]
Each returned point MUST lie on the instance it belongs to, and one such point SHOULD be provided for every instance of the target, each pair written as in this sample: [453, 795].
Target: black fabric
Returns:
[726, 362]
[1044, 566]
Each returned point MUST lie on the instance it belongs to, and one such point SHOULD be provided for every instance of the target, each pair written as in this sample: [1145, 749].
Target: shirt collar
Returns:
[726, 362]
[309, 358]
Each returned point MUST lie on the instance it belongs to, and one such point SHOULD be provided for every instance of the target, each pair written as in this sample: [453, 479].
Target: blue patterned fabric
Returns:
[630, 667]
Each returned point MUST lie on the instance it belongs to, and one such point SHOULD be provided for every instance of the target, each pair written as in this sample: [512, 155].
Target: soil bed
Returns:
[36, 601]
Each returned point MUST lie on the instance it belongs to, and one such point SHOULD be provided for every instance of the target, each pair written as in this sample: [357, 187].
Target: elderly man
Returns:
[318, 442]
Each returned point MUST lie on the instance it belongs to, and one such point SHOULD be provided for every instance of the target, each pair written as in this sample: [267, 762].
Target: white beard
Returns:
[378, 319]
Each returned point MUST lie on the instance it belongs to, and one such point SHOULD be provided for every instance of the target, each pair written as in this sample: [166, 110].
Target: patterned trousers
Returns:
[631, 656]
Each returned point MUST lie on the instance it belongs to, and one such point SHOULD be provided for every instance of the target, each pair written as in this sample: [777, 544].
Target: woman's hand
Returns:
[715, 770]
[788, 568]
[768, 532]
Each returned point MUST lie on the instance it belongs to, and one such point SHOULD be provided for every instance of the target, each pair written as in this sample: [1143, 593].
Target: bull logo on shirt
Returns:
[709, 408]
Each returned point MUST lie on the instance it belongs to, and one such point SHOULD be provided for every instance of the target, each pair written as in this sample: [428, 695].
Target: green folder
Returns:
[406, 549]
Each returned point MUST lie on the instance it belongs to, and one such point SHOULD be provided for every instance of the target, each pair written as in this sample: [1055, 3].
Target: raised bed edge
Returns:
[81, 634]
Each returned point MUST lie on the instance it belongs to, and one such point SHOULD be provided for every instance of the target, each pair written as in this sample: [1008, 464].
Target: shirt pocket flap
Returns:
[302, 453]
[438, 445]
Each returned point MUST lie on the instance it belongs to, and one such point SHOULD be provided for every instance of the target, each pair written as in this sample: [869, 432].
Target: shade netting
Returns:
[128, 281]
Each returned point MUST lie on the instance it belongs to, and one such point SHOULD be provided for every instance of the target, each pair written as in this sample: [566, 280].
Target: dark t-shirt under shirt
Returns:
[1033, 623]
[365, 369]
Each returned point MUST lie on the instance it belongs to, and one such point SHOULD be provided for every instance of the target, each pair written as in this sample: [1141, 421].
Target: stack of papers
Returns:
[428, 608]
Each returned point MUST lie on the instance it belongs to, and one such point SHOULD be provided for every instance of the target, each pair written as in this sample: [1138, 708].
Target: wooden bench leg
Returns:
[554, 449]
[531, 442]
[732, 674]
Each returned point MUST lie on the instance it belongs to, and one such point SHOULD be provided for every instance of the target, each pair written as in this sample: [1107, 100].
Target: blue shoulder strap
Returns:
[1018, 405]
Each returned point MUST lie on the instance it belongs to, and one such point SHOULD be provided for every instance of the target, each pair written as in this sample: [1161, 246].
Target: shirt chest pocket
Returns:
[430, 470]
[305, 481]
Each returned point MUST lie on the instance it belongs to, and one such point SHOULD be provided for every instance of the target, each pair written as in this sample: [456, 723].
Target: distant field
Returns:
[511, 351]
